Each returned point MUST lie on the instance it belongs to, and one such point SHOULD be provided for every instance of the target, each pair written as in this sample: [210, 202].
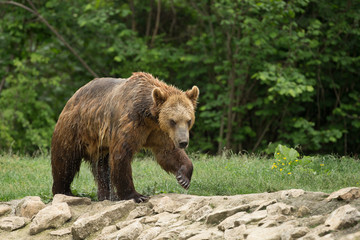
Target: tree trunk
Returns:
[133, 22]
[157, 23]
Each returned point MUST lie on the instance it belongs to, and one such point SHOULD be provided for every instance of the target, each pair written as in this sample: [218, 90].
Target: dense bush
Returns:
[268, 71]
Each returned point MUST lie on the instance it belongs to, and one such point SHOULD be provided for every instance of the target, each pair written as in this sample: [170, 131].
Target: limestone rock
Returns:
[12, 223]
[274, 233]
[70, 200]
[109, 229]
[230, 221]
[61, 232]
[294, 193]
[314, 221]
[84, 226]
[352, 236]
[4, 209]
[199, 214]
[150, 233]
[299, 232]
[347, 194]
[279, 208]
[189, 232]
[139, 211]
[52, 216]
[29, 206]
[165, 204]
[343, 217]
[170, 233]
[129, 232]
[303, 211]
[166, 219]
[208, 234]
[263, 205]
[220, 215]
[235, 233]
[253, 217]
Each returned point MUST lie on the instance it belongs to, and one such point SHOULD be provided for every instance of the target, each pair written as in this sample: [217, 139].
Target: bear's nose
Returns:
[183, 144]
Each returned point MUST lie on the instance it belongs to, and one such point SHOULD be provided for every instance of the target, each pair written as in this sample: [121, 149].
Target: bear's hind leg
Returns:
[102, 176]
[64, 169]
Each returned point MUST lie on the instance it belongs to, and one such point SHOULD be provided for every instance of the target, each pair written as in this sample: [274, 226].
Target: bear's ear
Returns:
[193, 94]
[158, 96]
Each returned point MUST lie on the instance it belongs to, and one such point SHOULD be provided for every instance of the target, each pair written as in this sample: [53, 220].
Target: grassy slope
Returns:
[238, 174]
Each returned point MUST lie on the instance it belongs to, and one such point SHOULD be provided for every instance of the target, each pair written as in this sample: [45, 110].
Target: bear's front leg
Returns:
[121, 175]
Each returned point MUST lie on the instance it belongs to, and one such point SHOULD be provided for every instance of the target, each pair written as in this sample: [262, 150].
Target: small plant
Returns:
[287, 161]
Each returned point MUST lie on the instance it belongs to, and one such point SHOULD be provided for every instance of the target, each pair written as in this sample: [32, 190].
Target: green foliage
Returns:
[268, 71]
[288, 162]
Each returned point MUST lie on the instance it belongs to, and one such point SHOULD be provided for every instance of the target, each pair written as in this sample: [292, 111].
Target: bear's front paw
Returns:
[137, 197]
[141, 198]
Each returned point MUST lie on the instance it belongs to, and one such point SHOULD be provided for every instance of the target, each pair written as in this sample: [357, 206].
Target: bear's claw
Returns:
[141, 199]
[183, 181]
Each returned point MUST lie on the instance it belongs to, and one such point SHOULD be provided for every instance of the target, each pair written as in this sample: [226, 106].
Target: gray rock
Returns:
[84, 226]
[219, 215]
[70, 200]
[4, 209]
[343, 217]
[12, 223]
[52, 216]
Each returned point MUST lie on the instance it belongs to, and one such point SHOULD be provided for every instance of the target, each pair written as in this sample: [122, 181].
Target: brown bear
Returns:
[109, 119]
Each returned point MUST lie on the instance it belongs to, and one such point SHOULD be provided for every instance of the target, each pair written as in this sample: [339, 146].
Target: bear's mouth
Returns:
[183, 181]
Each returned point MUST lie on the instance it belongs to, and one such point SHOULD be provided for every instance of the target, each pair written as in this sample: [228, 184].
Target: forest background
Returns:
[269, 71]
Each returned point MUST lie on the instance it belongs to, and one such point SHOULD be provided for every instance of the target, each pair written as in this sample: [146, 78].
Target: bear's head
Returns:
[176, 114]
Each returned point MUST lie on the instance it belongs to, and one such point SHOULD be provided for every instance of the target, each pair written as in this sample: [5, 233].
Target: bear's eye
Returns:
[172, 123]
[189, 123]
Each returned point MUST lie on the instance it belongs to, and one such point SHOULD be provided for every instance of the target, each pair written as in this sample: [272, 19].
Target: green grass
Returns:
[22, 176]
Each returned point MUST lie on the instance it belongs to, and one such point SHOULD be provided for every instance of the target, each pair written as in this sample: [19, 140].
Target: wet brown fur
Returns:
[108, 120]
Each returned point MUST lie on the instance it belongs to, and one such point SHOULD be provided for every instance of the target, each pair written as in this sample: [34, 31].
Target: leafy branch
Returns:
[34, 11]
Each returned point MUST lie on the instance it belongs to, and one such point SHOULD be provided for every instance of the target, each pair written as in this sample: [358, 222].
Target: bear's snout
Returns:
[183, 144]
[182, 137]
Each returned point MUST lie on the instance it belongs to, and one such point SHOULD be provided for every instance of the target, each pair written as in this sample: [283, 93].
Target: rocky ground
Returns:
[290, 214]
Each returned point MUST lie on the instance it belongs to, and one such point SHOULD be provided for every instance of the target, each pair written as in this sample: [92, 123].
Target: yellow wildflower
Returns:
[289, 173]
[284, 157]
[296, 160]
[283, 164]
[278, 153]
[281, 169]
[321, 164]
